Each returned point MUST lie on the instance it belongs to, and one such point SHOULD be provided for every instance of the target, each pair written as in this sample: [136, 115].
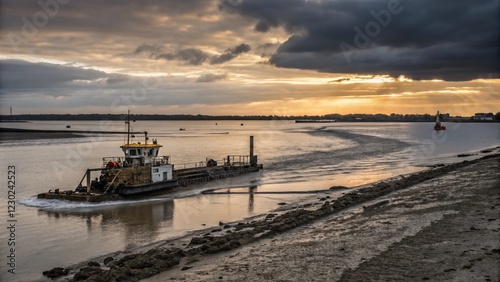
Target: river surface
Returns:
[296, 157]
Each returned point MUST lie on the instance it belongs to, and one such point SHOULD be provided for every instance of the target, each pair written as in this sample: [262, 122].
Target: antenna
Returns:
[127, 122]
[128, 127]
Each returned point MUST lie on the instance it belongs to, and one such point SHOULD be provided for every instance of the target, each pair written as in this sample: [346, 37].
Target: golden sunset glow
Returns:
[218, 58]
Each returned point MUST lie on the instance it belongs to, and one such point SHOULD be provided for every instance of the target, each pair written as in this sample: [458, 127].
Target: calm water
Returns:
[295, 157]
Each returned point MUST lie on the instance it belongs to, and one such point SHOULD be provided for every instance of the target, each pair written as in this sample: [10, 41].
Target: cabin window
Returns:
[139, 152]
[133, 152]
[155, 170]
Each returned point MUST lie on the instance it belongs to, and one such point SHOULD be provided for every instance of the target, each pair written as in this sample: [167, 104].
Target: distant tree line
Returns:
[336, 117]
[135, 117]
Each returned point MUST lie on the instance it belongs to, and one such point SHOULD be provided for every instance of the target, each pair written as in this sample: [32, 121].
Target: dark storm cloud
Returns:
[451, 40]
[230, 54]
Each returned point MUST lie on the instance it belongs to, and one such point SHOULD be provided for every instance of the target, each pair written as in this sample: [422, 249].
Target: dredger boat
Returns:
[142, 170]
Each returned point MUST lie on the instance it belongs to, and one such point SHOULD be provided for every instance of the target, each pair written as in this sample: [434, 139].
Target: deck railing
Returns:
[231, 160]
[237, 160]
[191, 165]
[120, 161]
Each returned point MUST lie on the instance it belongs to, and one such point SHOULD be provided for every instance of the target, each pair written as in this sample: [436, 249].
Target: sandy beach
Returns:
[442, 224]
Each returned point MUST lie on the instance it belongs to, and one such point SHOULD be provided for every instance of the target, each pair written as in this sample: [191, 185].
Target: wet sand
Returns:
[10, 134]
[442, 224]
[444, 229]
[26, 134]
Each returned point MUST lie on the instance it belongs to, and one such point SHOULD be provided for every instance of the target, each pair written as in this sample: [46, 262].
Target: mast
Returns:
[437, 117]
[128, 127]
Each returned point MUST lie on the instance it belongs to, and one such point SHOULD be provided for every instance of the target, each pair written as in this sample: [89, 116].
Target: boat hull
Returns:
[80, 197]
[147, 188]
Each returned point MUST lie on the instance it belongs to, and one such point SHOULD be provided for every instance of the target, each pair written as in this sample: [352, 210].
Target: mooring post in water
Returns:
[253, 159]
[251, 147]
[88, 180]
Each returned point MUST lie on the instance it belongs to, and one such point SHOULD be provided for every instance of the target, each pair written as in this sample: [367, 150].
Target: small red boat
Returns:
[438, 125]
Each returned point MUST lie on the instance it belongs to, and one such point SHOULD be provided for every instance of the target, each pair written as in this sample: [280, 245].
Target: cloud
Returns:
[45, 85]
[339, 80]
[194, 56]
[18, 75]
[53, 88]
[268, 49]
[230, 54]
[262, 26]
[113, 23]
[117, 79]
[211, 77]
[146, 48]
[450, 40]
[190, 56]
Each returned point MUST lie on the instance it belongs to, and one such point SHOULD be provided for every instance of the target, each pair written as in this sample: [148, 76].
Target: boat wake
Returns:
[364, 152]
[52, 204]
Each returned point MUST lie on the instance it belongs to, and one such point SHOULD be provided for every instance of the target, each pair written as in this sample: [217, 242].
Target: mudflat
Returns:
[443, 229]
[36, 135]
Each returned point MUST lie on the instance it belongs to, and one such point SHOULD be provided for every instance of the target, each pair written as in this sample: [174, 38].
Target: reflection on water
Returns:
[251, 199]
[137, 223]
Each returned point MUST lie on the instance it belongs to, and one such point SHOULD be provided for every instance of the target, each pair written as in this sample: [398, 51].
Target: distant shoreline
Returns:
[3, 129]
[24, 134]
[12, 136]
[14, 121]
[181, 117]
[301, 120]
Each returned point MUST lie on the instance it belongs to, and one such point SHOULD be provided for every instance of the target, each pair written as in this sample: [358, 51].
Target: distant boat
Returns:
[68, 126]
[182, 129]
[241, 124]
[438, 125]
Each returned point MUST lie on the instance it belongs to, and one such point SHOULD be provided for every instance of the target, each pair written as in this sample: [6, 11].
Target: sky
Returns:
[250, 57]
